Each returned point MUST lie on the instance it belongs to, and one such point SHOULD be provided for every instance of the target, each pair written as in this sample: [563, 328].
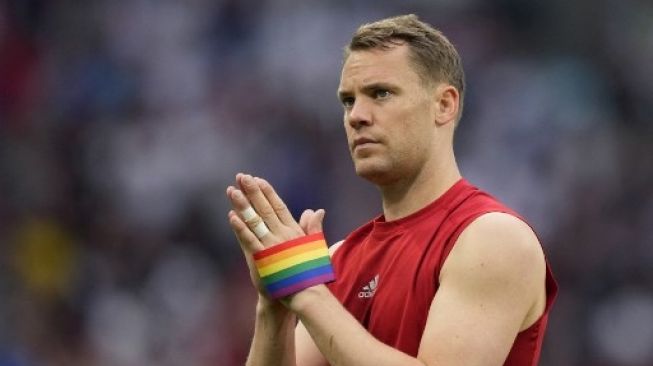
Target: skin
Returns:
[492, 283]
[410, 122]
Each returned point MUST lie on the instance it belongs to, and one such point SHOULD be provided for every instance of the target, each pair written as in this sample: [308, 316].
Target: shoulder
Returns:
[334, 247]
[490, 284]
[496, 249]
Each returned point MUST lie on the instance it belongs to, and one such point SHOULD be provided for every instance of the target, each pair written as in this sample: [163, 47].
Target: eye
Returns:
[382, 93]
[348, 102]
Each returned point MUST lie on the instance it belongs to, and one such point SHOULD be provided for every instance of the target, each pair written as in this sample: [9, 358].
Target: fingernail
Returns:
[238, 194]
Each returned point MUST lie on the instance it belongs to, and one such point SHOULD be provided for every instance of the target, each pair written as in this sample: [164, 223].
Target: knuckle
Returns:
[269, 240]
[292, 233]
[279, 207]
[241, 232]
[253, 222]
[266, 212]
[265, 187]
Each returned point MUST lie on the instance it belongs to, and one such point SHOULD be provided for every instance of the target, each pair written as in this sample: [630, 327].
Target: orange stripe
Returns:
[287, 245]
[290, 252]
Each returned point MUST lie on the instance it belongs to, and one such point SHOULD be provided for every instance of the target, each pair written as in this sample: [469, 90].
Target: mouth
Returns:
[362, 142]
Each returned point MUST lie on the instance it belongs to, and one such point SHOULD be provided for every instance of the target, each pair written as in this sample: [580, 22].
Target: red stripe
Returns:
[288, 244]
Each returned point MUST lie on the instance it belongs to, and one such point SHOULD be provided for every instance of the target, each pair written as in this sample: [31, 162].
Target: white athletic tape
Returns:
[248, 213]
[261, 230]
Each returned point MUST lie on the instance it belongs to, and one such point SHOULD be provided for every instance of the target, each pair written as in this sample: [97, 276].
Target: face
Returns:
[389, 114]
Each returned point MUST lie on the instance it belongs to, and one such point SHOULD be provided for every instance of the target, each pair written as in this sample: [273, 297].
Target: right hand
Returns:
[260, 195]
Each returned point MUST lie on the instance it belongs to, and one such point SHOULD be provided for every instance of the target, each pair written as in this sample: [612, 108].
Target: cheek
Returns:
[415, 136]
[346, 126]
[348, 133]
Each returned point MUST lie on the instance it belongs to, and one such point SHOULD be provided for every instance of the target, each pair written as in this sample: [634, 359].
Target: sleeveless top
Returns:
[388, 272]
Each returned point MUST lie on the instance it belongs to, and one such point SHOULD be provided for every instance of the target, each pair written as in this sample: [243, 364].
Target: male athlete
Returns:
[447, 275]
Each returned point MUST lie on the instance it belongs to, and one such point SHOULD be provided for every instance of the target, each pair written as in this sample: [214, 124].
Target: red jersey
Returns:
[388, 272]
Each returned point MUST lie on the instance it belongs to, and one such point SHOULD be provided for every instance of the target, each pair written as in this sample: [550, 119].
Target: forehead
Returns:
[391, 65]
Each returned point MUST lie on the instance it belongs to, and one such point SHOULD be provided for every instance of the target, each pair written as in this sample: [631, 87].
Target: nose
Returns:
[359, 115]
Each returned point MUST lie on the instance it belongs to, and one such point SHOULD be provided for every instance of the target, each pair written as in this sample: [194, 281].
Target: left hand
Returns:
[258, 193]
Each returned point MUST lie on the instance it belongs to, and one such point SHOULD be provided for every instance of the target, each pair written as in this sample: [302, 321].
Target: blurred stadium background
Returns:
[122, 122]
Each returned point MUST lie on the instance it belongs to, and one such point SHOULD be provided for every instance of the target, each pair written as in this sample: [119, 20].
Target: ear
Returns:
[447, 104]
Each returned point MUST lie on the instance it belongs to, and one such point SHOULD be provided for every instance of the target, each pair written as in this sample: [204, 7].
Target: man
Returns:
[446, 276]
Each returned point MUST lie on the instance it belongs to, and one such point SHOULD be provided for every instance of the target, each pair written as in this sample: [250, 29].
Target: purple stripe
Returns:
[282, 292]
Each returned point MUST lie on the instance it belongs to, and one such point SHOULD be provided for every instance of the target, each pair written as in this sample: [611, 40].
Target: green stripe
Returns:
[298, 268]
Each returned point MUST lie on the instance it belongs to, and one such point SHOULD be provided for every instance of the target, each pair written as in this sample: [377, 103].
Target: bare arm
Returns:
[273, 342]
[274, 331]
[492, 286]
[307, 352]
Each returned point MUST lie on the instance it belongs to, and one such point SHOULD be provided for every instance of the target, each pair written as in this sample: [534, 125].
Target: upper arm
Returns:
[490, 286]
[307, 353]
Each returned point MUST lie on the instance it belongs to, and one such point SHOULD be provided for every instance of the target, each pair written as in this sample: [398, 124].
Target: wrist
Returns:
[301, 301]
[271, 308]
[294, 265]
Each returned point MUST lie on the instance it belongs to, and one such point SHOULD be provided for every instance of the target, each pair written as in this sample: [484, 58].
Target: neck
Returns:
[411, 194]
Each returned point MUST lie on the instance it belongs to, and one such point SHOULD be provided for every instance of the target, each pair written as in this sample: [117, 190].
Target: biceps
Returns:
[462, 330]
[307, 353]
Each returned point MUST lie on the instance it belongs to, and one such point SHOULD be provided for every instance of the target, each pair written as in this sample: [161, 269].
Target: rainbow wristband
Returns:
[294, 265]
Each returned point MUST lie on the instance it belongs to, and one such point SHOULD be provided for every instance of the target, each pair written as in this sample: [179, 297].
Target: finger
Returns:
[248, 241]
[238, 200]
[246, 213]
[303, 220]
[260, 203]
[276, 202]
[314, 224]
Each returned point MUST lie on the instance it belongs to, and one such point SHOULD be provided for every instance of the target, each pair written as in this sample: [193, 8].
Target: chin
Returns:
[378, 174]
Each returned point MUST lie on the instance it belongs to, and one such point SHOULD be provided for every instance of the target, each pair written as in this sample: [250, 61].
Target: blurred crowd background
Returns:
[122, 123]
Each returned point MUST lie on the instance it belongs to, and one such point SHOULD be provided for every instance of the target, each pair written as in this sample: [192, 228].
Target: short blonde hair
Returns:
[434, 56]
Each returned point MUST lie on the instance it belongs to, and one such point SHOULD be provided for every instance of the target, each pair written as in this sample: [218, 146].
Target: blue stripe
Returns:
[299, 277]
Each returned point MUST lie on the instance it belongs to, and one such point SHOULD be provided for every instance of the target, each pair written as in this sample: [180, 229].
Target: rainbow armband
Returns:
[294, 265]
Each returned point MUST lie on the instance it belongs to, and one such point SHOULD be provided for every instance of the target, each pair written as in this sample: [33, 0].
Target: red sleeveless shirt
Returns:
[388, 272]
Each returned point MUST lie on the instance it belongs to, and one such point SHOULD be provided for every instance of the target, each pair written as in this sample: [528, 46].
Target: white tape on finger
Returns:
[248, 214]
[261, 230]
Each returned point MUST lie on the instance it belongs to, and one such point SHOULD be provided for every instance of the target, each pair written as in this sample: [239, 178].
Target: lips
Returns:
[361, 141]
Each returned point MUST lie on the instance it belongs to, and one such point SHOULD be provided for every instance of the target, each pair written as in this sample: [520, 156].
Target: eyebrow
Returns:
[368, 88]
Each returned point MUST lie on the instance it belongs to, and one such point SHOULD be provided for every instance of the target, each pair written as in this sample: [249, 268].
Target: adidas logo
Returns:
[369, 289]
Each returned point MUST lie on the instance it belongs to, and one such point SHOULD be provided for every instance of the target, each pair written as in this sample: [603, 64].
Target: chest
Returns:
[388, 284]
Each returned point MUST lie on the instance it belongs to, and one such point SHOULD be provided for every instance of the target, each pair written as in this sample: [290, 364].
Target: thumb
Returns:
[304, 219]
[314, 224]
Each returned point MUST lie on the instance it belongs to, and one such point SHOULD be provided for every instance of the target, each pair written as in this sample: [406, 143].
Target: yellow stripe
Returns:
[289, 262]
[290, 252]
